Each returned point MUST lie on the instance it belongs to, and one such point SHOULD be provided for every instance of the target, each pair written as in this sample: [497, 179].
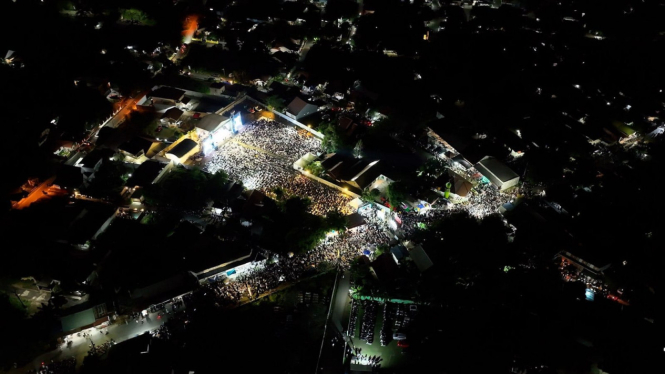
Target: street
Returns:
[35, 195]
[341, 300]
[80, 345]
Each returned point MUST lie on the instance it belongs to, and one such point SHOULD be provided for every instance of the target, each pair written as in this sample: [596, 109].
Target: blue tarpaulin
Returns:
[366, 252]
[231, 272]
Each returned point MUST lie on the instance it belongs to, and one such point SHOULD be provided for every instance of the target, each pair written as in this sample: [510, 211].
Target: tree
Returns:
[315, 168]
[275, 102]
[335, 220]
[108, 180]
[279, 193]
[396, 192]
[241, 76]
[187, 189]
[359, 149]
[296, 206]
[215, 184]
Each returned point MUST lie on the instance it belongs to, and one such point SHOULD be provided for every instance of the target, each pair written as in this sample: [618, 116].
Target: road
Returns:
[341, 300]
[80, 345]
[35, 195]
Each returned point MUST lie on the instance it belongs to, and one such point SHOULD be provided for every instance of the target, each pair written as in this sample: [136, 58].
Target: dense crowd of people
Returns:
[263, 171]
[363, 359]
[337, 250]
[66, 366]
[279, 139]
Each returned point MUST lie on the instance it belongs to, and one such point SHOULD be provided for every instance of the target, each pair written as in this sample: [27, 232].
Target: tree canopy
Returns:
[187, 189]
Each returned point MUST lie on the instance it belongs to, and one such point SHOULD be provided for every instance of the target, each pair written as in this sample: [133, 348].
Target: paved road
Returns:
[341, 300]
[35, 195]
[80, 345]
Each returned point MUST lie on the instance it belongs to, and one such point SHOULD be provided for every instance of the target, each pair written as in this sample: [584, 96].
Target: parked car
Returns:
[399, 336]
[403, 344]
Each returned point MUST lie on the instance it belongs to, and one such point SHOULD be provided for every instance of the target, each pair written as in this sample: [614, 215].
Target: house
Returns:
[299, 108]
[137, 196]
[497, 172]
[358, 174]
[76, 319]
[136, 148]
[235, 90]
[167, 95]
[283, 46]
[147, 173]
[91, 162]
[217, 88]
[182, 151]
[171, 117]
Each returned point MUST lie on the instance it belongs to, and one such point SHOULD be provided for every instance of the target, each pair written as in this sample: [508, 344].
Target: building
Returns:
[355, 173]
[217, 88]
[77, 319]
[598, 266]
[167, 95]
[172, 117]
[168, 288]
[212, 129]
[420, 258]
[183, 150]
[136, 148]
[299, 108]
[91, 162]
[147, 173]
[497, 172]
[208, 125]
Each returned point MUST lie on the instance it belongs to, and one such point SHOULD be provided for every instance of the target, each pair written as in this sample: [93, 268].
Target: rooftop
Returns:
[135, 145]
[182, 148]
[211, 122]
[169, 93]
[146, 173]
[498, 168]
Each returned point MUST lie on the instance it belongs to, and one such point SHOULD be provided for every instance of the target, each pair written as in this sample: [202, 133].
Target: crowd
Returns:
[264, 172]
[337, 250]
[66, 366]
[100, 349]
[362, 359]
[279, 139]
